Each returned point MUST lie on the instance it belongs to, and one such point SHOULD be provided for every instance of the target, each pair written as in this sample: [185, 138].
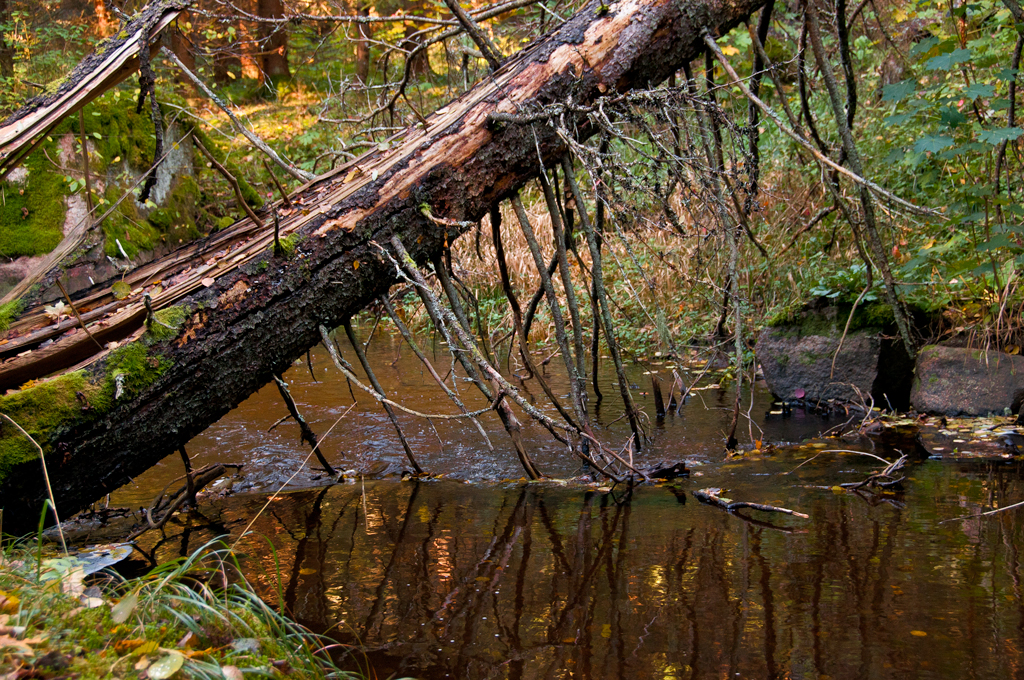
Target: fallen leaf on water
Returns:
[306, 571]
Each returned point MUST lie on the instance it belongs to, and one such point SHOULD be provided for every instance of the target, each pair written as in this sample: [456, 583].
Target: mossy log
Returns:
[248, 314]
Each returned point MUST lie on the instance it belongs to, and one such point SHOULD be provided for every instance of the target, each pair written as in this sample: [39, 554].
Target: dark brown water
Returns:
[502, 579]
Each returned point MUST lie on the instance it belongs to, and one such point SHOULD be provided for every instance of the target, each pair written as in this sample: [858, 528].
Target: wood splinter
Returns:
[712, 496]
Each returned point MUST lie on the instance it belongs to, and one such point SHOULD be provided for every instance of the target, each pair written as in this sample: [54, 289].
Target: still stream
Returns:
[479, 574]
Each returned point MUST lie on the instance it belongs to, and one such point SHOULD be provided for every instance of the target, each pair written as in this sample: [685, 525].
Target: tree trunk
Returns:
[273, 45]
[6, 51]
[363, 43]
[240, 328]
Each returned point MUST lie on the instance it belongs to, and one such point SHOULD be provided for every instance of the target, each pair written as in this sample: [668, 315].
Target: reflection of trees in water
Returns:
[541, 583]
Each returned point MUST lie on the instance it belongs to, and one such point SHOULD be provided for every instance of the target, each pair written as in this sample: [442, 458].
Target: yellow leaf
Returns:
[729, 51]
[355, 265]
[918, 633]
[306, 571]
[8, 603]
[352, 174]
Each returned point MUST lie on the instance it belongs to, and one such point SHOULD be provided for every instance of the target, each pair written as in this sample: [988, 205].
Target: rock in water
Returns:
[961, 381]
[797, 359]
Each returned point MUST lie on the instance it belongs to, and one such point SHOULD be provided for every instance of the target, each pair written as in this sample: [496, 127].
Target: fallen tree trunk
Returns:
[228, 326]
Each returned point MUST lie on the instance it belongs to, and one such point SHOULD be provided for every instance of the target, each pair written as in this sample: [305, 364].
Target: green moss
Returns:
[169, 321]
[42, 409]
[134, 368]
[32, 212]
[803, 320]
[126, 226]
[288, 245]
[9, 311]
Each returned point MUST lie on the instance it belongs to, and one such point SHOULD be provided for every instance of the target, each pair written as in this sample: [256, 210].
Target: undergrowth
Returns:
[194, 617]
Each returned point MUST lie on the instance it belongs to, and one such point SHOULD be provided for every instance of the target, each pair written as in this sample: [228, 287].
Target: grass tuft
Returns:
[197, 610]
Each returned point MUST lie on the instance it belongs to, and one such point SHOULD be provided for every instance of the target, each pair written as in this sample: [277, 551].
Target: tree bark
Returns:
[6, 51]
[263, 312]
[273, 44]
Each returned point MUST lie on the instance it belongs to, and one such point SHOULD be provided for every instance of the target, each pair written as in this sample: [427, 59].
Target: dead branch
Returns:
[712, 496]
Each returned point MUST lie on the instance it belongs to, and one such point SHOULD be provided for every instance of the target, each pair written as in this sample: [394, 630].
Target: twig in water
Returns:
[274, 495]
[712, 496]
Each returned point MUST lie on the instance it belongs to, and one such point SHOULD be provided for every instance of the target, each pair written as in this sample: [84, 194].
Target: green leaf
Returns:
[997, 241]
[1007, 74]
[924, 47]
[951, 117]
[123, 609]
[999, 135]
[897, 92]
[932, 143]
[897, 119]
[976, 90]
[947, 61]
[166, 666]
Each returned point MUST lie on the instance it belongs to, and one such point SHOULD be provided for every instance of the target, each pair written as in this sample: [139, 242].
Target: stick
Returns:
[298, 174]
[77, 315]
[711, 497]
[231, 180]
[361, 355]
[821, 158]
[284, 194]
[46, 477]
[307, 432]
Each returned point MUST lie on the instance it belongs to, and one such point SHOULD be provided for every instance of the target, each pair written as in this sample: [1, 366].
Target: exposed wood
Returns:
[114, 60]
[250, 314]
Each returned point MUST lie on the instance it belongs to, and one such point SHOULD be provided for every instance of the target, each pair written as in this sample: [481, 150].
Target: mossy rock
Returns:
[32, 212]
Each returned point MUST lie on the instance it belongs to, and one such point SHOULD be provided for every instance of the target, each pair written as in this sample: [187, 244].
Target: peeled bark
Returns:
[263, 312]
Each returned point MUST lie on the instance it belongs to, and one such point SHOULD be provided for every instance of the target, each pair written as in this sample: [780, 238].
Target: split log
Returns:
[249, 314]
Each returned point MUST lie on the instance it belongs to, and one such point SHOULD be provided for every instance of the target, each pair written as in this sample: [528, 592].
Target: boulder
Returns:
[961, 381]
[796, 359]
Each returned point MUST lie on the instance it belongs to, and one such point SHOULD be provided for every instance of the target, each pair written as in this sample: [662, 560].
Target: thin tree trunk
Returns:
[273, 53]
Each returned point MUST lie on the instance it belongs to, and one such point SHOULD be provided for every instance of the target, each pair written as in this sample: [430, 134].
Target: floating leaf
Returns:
[123, 609]
[307, 571]
[918, 633]
[166, 666]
